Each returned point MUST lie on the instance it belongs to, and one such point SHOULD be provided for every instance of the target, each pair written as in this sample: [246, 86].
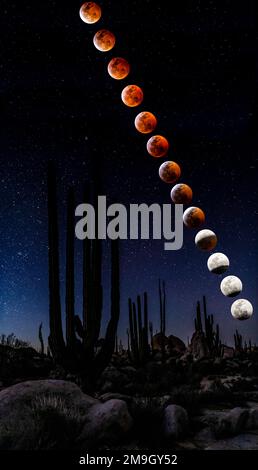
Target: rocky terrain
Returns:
[184, 399]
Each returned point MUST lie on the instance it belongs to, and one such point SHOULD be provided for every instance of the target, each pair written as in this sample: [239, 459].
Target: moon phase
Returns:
[132, 95]
[90, 12]
[218, 263]
[206, 240]
[193, 217]
[118, 68]
[104, 40]
[181, 194]
[145, 122]
[242, 309]
[231, 286]
[169, 172]
[157, 146]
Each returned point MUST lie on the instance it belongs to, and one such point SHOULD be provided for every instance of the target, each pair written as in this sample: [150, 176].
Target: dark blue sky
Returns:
[196, 63]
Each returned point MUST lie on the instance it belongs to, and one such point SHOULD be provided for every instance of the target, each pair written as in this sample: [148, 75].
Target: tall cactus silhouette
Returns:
[56, 339]
[212, 336]
[80, 354]
[138, 332]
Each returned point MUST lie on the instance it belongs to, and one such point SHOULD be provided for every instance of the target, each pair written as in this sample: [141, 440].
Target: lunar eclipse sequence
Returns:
[169, 172]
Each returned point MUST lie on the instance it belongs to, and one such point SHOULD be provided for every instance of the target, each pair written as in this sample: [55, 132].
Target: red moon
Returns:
[118, 68]
[145, 122]
[181, 194]
[157, 146]
[90, 12]
[104, 40]
[193, 217]
[169, 172]
[132, 96]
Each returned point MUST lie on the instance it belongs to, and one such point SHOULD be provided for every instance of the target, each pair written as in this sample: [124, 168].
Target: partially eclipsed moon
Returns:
[90, 12]
[132, 96]
[218, 263]
[118, 68]
[104, 40]
[193, 217]
[181, 194]
[169, 172]
[231, 286]
[206, 240]
[242, 309]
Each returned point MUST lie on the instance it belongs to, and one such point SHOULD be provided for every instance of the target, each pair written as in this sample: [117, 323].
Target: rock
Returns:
[175, 423]
[231, 423]
[14, 398]
[106, 423]
[252, 421]
[42, 415]
[115, 396]
[175, 345]
[208, 385]
[159, 341]
[228, 352]
[198, 346]
[241, 442]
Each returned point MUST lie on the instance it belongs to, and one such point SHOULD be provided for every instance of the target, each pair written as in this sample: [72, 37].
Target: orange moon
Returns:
[132, 96]
[181, 194]
[90, 12]
[157, 146]
[118, 68]
[193, 217]
[169, 172]
[145, 122]
[104, 40]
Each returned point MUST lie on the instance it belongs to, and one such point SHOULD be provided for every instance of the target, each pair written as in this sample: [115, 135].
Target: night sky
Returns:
[195, 61]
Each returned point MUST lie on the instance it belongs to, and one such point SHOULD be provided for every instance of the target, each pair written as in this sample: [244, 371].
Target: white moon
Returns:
[242, 309]
[206, 240]
[218, 263]
[231, 286]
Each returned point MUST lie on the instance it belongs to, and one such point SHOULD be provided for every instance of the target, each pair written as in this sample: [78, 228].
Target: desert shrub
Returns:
[12, 341]
[47, 423]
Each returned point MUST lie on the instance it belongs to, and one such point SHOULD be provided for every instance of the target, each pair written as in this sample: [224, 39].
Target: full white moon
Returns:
[218, 263]
[242, 309]
[206, 240]
[231, 286]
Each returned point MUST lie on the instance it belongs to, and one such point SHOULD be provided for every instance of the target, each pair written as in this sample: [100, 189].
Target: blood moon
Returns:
[181, 194]
[132, 95]
[90, 12]
[157, 146]
[118, 68]
[193, 217]
[169, 172]
[145, 122]
[104, 40]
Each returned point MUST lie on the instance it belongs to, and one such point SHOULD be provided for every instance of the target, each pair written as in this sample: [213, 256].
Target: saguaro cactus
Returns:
[80, 355]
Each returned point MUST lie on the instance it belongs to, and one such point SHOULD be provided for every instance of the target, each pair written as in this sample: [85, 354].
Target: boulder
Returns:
[231, 423]
[198, 346]
[175, 422]
[228, 352]
[14, 398]
[42, 415]
[106, 423]
[175, 345]
[241, 442]
[159, 341]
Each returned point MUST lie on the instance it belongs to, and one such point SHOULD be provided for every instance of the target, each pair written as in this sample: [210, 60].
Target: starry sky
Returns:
[195, 61]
